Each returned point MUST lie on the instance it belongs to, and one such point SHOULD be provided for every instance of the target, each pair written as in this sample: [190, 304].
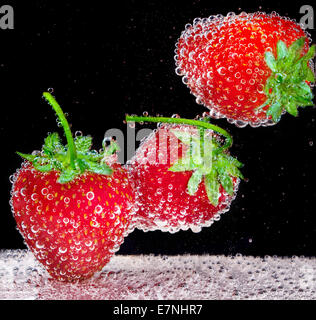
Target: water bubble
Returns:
[62, 249]
[90, 195]
[50, 90]
[39, 245]
[50, 196]
[44, 191]
[34, 196]
[78, 134]
[221, 71]
[98, 209]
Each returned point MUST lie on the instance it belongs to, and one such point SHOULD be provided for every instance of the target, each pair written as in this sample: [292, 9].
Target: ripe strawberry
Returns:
[183, 178]
[248, 68]
[72, 209]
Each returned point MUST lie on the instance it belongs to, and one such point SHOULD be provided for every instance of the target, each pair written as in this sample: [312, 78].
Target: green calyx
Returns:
[207, 165]
[287, 88]
[205, 157]
[73, 159]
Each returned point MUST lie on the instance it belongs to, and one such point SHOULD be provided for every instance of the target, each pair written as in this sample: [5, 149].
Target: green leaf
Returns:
[295, 49]
[310, 76]
[28, 157]
[66, 175]
[303, 102]
[43, 167]
[83, 143]
[281, 50]
[82, 165]
[194, 182]
[233, 161]
[275, 111]
[99, 168]
[111, 149]
[212, 187]
[183, 164]
[227, 183]
[291, 108]
[310, 53]
[270, 60]
[305, 90]
[286, 88]
[183, 136]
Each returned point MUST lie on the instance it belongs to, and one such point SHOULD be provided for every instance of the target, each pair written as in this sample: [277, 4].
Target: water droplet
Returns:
[62, 249]
[44, 191]
[221, 71]
[90, 195]
[98, 209]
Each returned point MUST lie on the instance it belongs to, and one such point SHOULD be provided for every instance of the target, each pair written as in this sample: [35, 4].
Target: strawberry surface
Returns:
[222, 61]
[73, 229]
[162, 199]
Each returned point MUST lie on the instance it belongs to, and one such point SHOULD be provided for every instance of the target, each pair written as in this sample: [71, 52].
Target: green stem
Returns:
[196, 123]
[71, 145]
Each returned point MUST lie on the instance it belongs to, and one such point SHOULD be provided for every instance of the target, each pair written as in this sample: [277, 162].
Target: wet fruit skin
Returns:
[161, 196]
[73, 229]
[222, 61]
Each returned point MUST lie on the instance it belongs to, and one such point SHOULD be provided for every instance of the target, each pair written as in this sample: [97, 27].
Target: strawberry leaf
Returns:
[183, 136]
[28, 157]
[43, 167]
[310, 53]
[227, 183]
[67, 175]
[208, 165]
[99, 168]
[291, 108]
[270, 60]
[73, 159]
[310, 76]
[281, 50]
[83, 143]
[194, 182]
[275, 111]
[287, 87]
[183, 164]
[212, 187]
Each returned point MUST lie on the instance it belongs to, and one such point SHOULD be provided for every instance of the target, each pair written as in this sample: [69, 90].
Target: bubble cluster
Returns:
[221, 60]
[145, 277]
[69, 227]
[161, 197]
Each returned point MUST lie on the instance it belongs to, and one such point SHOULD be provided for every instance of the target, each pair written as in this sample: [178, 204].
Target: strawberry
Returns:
[72, 209]
[248, 68]
[183, 177]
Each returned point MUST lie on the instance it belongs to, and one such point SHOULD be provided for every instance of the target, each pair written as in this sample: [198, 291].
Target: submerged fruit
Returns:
[248, 68]
[71, 205]
[178, 188]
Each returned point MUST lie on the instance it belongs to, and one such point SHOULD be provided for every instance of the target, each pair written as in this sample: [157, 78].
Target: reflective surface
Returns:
[201, 277]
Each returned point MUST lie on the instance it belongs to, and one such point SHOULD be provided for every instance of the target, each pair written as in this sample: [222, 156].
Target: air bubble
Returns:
[90, 195]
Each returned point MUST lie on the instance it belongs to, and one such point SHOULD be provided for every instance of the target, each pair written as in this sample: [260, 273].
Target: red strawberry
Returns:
[73, 218]
[248, 68]
[183, 178]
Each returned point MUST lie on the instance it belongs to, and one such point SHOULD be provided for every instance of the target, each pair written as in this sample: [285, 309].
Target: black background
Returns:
[107, 60]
